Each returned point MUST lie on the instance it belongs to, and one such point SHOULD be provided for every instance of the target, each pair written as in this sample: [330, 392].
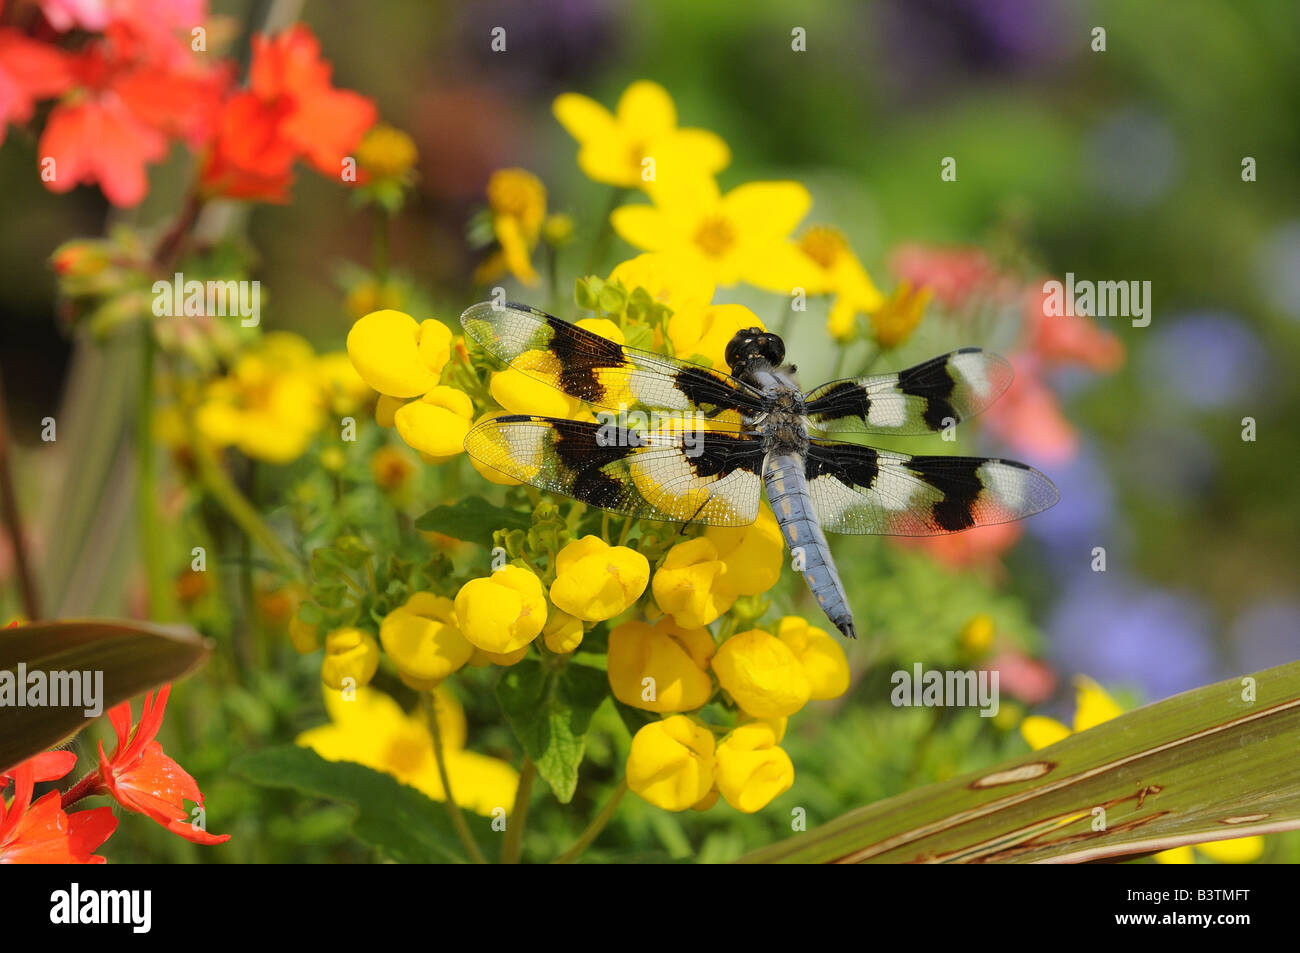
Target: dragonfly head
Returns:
[754, 345]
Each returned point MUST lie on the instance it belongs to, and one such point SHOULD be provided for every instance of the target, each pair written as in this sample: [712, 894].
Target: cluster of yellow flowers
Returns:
[277, 397]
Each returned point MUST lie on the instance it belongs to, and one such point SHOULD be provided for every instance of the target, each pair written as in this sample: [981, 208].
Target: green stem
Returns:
[381, 245]
[222, 489]
[595, 827]
[151, 537]
[600, 247]
[453, 809]
[519, 816]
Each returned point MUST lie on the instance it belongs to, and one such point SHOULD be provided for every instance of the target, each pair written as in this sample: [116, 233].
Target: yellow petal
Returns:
[583, 118]
[384, 348]
[768, 208]
[1092, 704]
[1041, 731]
[646, 110]
[1235, 850]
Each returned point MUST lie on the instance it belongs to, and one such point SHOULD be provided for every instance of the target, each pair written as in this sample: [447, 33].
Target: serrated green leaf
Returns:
[550, 713]
[473, 519]
[132, 657]
[390, 816]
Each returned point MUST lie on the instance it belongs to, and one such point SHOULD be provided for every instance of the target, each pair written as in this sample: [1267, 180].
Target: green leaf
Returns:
[1214, 763]
[550, 712]
[473, 519]
[131, 656]
[390, 816]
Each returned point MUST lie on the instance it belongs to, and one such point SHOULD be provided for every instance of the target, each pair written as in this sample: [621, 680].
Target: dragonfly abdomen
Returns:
[787, 492]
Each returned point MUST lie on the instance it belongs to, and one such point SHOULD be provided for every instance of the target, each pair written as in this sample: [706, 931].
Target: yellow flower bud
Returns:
[562, 632]
[671, 763]
[821, 656]
[977, 634]
[349, 653]
[686, 585]
[386, 152]
[385, 347]
[423, 641]
[751, 769]
[304, 636]
[437, 423]
[762, 674]
[596, 581]
[753, 554]
[662, 668]
[502, 612]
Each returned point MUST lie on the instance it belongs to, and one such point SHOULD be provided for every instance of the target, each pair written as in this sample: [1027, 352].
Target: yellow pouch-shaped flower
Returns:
[751, 769]
[386, 350]
[595, 581]
[437, 423]
[821, 656]
[671, 763]
[661, 668]
[503, 612]
[753, 554]
[762, 674]
[686, 585]
[349, 653]
[423, 641]
[528, 386]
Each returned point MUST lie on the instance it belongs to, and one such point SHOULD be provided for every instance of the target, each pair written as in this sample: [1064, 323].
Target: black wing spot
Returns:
[845, 399]
[581, 354]
[851, 465]
[931, 382]
[957, 478]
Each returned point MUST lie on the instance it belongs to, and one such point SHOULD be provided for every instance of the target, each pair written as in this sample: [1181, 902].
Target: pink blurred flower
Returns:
[1069, 338]
[982, 546]
[955, 275]
[1028, 417]
[1024, 678]
[63, 15]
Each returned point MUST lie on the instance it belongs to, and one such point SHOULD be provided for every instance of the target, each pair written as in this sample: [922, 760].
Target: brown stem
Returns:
[12, 519]
[84, 788]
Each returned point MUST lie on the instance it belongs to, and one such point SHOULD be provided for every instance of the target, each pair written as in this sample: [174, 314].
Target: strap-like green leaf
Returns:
[131, 657]
[1218, 762]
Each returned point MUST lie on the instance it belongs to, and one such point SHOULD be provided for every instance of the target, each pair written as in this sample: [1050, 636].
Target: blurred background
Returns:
[1122, 164]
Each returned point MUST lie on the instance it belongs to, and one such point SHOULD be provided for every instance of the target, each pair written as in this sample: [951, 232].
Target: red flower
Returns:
[289, 111]
[955, 275]
[981, 546]
[28, 71]
[43, 833]
[128, 98]
[1028, 417]
[141, 776]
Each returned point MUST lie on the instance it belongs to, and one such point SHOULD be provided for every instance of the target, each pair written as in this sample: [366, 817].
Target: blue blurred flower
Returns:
[1208, 359]
[1122, 634]
[1084, 516]
[1266, 634]
[1133, 157]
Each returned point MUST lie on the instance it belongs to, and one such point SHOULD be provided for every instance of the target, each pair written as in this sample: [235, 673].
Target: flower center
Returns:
[823, 245]
[405, 754]
[715, 236]
[635, 155]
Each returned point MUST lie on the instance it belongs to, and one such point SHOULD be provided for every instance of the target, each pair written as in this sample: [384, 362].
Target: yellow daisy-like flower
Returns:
[423, 640]
[696, 331]
[503, 612]
[898, 317]
[661, 668]
[270, 405]
[344, 390]
[741, 236]
[1092, 707]
[372, 730]
[674, 279]
[751, 770]
[387, 152]
[671, 763]
[839, 272]
[613, 147]
[595, 581]
[762, 674]
[517, 199]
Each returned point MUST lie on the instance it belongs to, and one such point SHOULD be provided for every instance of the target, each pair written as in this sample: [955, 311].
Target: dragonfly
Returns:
[677, 441]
